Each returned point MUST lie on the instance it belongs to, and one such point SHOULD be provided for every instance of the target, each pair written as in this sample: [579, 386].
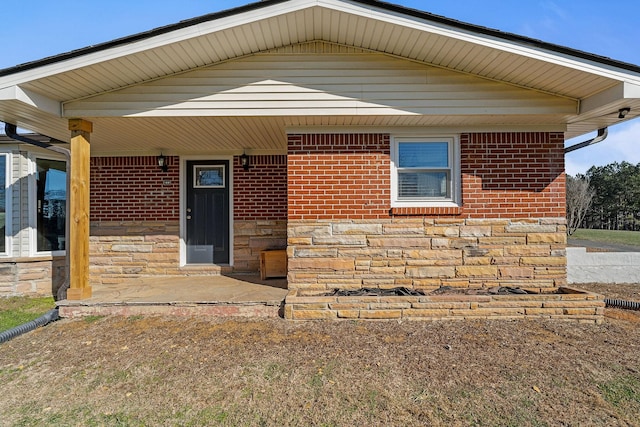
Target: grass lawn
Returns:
[608, 236]
[154, 371]
[15, 311]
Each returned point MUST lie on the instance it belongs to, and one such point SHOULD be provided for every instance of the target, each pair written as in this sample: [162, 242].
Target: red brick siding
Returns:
[338, 176]
[261, 192]
[513, 175]
[504, 175]
[133, 189]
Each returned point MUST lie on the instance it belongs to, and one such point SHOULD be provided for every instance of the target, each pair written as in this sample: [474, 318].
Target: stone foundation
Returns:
[425, 253]
[123, 250]
[252, 237]
[31, 276]
[563, 303]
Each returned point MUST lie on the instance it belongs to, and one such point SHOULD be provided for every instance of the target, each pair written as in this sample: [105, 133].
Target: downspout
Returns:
[11, 131]
[602, 135]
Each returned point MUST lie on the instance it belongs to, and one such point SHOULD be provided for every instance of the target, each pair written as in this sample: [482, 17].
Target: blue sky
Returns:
[34, 29]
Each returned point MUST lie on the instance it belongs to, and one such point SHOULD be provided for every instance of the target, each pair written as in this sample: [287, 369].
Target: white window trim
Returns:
[8, 203]
[33, 204]
[456, 178]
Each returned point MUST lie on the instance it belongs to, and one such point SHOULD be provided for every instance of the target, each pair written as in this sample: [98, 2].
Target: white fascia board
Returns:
[169, 38]
[631, 90]
[32, 99]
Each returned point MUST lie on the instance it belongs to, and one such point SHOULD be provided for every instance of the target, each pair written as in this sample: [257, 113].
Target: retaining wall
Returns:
[602, 267]
[563, 304]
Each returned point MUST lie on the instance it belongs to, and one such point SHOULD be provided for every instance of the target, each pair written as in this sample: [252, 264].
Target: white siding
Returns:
[326, 84]
[21, 233]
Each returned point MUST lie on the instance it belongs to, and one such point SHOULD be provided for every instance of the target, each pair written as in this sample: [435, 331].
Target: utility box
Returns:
[273, 263]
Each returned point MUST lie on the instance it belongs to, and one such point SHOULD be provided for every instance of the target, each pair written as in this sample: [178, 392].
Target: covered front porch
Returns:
[241, 295]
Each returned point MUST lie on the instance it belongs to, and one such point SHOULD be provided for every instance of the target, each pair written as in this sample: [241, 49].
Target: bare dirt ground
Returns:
[168, 371]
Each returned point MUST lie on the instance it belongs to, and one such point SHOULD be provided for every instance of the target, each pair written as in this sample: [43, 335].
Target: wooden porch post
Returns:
[79, 210]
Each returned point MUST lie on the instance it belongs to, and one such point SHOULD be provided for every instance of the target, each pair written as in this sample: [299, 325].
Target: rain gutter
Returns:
[602, 135]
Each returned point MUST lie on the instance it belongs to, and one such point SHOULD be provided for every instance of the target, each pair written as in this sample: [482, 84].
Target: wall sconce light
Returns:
[162, 163]
[622, 113]
[244, 161]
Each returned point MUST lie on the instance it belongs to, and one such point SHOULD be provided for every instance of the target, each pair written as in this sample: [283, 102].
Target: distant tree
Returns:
[579, 197]
[616, 201]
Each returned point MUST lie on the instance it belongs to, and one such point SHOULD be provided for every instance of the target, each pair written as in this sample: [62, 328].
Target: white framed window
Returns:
[425, 171]
[48, 194]
[5, 203]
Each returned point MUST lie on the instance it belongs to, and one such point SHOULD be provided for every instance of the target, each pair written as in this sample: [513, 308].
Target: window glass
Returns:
[51, 204]
[208, 176]
[3, 203]
[412, 185]
[423, 155]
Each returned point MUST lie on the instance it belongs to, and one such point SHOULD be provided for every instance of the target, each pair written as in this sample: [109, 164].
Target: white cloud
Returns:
[555, 8]
[622, 144]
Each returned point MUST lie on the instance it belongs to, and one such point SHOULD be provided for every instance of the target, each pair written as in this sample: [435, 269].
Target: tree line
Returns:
[605, 197]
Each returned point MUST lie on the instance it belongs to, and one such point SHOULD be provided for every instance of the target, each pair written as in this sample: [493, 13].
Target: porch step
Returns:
[75, 309]
[222, 296]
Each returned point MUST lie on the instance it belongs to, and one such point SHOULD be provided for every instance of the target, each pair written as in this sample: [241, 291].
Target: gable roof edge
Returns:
[460, 25]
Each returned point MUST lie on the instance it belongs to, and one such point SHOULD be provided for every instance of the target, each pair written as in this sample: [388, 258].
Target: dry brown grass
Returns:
[158, 371]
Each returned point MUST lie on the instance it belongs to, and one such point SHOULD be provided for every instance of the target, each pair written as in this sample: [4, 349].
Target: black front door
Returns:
[207, 212]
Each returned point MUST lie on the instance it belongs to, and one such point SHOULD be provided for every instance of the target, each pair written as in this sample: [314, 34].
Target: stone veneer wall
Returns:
[251, 237]
[31, 276]
[120, 251]
[426, 253]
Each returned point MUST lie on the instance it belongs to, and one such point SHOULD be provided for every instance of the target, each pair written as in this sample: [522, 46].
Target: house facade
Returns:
[32, 218]
[380, 146]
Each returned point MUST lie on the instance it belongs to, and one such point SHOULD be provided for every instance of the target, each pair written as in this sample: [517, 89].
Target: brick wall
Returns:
[260, 193]
[504, 175]
[134, 189]
[513, 175]
[338, 176]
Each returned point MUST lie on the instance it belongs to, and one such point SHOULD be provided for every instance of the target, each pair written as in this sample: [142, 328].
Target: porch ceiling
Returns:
[32, 95]
[260, 135]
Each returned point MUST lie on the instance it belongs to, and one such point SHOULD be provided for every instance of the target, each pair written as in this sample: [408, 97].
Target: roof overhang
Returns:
[33, 95]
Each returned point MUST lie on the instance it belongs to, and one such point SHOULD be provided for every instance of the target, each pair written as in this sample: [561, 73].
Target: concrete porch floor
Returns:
[228, 295]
